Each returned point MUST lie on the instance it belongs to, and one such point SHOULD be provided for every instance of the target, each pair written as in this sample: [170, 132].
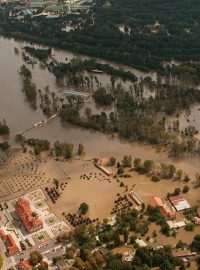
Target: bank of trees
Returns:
[136, 118]
[161, 258]
[28, 87]
[63, 149]
[39, 145]
[41, 54]
[156, 32]
[77, 66]
[59, 149]
[103, 98]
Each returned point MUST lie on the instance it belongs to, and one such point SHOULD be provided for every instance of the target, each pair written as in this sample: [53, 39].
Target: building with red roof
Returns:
[103, 161]
[9, 243]
[24, 265]
[30, 221]
[164, 209]
[156, 202]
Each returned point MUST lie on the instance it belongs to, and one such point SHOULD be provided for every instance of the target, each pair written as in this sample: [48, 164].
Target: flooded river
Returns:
[19, 115]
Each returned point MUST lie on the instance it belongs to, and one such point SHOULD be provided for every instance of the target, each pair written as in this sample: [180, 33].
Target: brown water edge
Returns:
[97, 144]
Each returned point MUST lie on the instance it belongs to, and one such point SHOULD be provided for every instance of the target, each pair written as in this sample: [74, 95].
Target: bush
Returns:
[155, 178]
[103, 98]
[84, 207]
[190, 227]
[185, 189]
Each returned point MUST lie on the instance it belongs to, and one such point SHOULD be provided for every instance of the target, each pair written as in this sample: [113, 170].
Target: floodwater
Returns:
[20, 116]
[187, 118]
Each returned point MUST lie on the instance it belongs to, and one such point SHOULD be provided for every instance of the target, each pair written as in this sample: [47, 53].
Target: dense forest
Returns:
[154, 31]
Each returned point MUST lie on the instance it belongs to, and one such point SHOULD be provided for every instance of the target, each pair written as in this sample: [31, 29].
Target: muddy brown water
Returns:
[19, 115]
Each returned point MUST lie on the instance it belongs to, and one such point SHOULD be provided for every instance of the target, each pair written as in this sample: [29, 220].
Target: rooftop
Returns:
[179, 203]
[164, 209]
[24, 265]
[30, 221]
[9, 242]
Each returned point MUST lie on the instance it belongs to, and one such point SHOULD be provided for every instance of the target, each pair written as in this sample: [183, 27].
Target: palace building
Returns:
[29, 219]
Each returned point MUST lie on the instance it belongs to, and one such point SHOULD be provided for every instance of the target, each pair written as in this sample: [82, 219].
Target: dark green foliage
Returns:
[84, 207]
[41, 54]
[190, 227]
[63, 149]
[125, 236]
[102, 98]
[4, 145]
[195, 246]
[25, 72]
[185, 189]
[147, 45]
[39, 145]
[29, 89]
[77, 66]
[148, 166]
[116, 238]
[80, 149]
[35, 257]
[4, 129]
[127, 161]
[155, 258]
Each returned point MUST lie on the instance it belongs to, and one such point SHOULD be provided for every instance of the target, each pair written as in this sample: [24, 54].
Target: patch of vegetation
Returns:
[84, 207]
[39, 145]
[4, 129]
[41, 54]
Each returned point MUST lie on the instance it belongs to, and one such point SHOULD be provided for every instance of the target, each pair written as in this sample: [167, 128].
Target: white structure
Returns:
[140, 242]
[179, 203]
[176, 225]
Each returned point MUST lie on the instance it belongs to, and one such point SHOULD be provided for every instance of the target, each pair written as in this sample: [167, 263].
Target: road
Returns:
[45, 250]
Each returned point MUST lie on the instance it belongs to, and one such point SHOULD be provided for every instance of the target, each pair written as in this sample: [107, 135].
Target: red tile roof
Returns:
[9, 242]
[175, 199]
[156, 202]
[31, 222]
[164, 209]
[24, 265]
[103, 161]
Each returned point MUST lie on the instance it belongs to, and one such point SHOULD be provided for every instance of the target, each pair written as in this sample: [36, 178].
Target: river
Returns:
[19, 115]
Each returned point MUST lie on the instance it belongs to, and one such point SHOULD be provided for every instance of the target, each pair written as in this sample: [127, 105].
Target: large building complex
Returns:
[29, 219]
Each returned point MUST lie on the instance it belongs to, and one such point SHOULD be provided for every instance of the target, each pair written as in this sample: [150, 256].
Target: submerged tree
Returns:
[84, 207]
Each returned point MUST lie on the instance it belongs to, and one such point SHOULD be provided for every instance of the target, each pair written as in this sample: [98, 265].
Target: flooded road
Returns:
[19, 115]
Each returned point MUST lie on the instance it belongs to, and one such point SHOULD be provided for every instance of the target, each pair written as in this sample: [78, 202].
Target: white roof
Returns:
[180, 224]
[171, 224]
[174, 225]
[182, 205]
[140, 243]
